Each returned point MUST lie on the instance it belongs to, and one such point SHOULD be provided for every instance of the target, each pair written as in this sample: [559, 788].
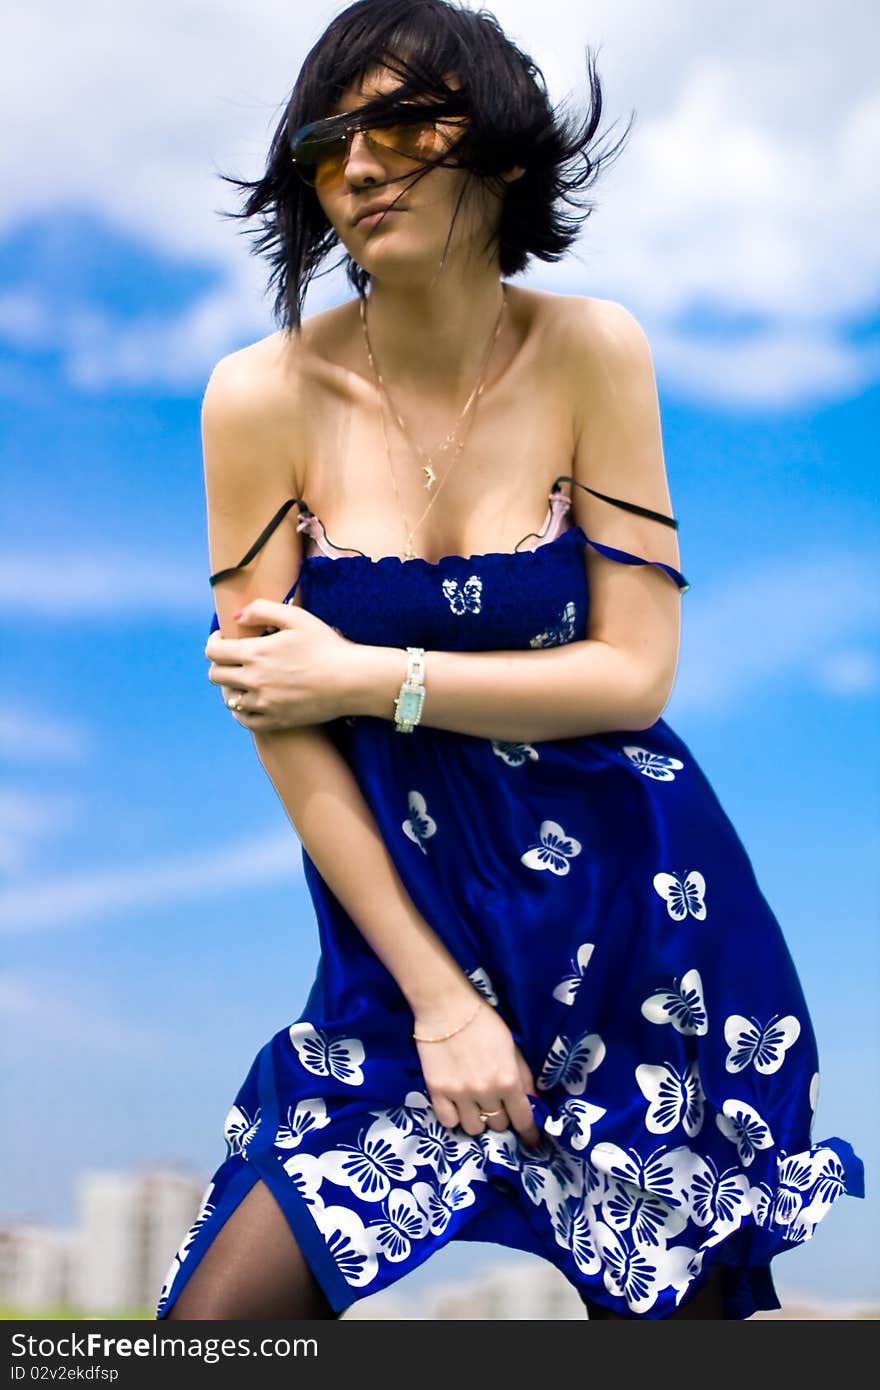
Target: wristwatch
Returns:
[411, 696]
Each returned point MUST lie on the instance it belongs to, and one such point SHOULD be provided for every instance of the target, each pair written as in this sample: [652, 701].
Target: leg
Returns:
[708, 1303]
[252, 1269]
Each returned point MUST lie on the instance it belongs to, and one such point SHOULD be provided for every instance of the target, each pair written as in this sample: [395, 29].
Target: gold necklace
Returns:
[430, 475]
[473, 400]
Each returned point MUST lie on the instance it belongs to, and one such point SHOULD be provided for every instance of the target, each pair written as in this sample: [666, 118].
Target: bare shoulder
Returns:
[601, 335]
[251, 411]
[609, 369]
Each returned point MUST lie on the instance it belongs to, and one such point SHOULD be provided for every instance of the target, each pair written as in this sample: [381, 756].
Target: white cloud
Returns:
[94, 586]
[45, 1012]
[851, 671]
[28, 737]
[767, 623]
[27, 820]
[67, 900]
[744, 190]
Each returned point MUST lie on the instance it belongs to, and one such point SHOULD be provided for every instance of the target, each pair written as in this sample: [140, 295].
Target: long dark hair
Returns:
[509, 122]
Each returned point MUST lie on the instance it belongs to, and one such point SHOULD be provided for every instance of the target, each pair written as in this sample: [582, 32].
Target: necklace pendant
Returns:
[408, 553]
[430, 475]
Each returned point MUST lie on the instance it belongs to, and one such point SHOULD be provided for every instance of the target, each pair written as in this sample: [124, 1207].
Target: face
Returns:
[407, 241]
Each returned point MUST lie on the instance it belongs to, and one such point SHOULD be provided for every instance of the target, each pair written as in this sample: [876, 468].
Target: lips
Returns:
[373, 214]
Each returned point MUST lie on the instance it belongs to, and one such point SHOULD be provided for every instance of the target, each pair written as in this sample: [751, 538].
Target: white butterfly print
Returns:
[682, 1005]
[678, 1267]
[765, 1046]
[439, 1146]
[554, 851]
[830, 1182]
[514, 754]
[760, 1201]
[798, 1232]
[465, 597]
[566, 1170]
[743, 1126]
[439, 1203]
[794, 1179]
[348, 1243]
[239, 1129]
[651, 1220]
[420, 826]
[562, 631]
[719, 1200]
[665, 1173]
[480, 979]
[304, 1171]
[549, 1186]
[568, 1064]
[568, 987]
[674, 1098]
[499, 1146]
[413, 1114]
[575, 1120]
[657, 765]
[571, 1229]
[629, 1272]
[308, 1115]
[814, 1090]
[682, 896]
[373, 1165]
[206, 1209]
[324, 1056]
[403, 1223]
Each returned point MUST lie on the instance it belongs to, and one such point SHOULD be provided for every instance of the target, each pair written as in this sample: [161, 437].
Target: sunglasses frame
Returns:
[347, 123]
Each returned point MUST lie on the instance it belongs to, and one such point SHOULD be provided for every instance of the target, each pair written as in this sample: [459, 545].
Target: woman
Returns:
[553, 1009]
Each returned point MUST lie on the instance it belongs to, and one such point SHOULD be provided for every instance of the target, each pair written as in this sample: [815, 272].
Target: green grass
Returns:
[69, 1312]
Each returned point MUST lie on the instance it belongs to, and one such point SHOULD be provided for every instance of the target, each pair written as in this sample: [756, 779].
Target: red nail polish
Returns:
[236, 616]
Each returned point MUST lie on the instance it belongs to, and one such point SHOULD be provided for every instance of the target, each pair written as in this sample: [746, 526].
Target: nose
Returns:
[362, 161]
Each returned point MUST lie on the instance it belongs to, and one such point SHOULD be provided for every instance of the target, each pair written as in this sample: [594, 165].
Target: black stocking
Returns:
[253, 1269]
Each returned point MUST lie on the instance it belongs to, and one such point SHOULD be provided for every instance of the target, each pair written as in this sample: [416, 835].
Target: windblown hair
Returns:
[509, 122]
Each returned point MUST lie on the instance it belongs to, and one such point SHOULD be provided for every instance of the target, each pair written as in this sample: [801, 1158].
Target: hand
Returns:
[295, 676]
[479, 1068]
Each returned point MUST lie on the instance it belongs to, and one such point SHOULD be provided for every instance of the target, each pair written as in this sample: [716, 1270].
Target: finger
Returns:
[499, 1121]
[521, 1117]
[469, 1110]
[225, 675]
[227, 650]
[263, 611]
[445, 1110]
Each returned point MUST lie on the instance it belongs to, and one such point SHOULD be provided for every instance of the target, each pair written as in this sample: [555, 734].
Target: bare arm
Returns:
[244, 485]
[621, 675]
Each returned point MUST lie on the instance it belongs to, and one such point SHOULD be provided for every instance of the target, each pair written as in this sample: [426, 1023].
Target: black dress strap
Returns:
[618, 502]
[262, 537]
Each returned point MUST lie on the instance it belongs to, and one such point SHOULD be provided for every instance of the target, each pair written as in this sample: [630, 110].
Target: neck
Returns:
[433, 338]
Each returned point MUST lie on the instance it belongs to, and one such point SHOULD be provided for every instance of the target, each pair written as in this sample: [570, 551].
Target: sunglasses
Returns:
[320, 149]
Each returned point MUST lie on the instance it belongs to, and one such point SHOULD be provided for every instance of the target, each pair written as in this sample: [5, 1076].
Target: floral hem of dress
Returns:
[607, 1235]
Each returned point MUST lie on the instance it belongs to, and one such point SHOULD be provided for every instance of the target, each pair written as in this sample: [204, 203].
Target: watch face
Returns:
[409, 704]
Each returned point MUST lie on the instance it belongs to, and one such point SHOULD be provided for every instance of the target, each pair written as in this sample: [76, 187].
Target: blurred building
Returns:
[129, 1224]
[37, 1265]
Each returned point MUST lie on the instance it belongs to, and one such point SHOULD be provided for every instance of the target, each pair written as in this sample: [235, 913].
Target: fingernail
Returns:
[236, 616]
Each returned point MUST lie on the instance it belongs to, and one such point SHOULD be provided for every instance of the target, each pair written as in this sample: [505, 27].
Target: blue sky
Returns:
[156, 927]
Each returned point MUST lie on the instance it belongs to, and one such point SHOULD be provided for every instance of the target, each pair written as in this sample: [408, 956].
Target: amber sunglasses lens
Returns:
[319, 158]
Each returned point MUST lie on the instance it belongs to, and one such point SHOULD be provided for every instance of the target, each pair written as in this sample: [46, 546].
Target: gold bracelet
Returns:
[444, 1036]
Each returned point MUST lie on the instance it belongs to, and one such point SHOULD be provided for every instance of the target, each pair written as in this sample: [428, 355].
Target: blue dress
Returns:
[596, 894]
